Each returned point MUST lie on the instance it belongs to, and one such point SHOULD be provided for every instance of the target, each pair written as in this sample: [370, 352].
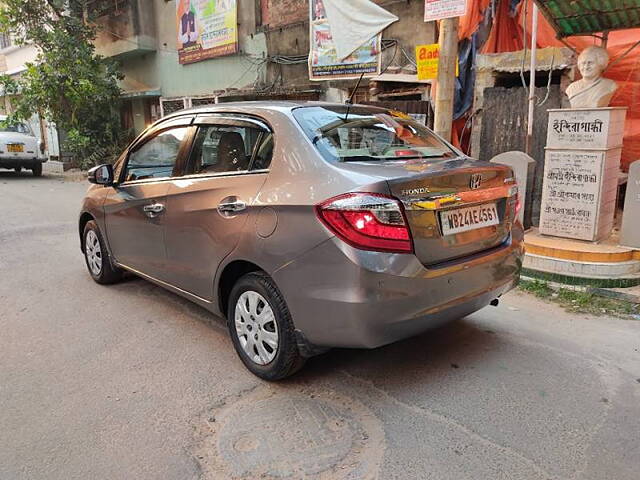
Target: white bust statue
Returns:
[592, 90]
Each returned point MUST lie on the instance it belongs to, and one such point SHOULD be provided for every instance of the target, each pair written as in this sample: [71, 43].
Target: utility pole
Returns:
[448, 42]
[528, 144]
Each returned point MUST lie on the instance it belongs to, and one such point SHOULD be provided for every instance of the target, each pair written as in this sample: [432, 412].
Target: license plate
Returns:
[15, 147]
[469, 218]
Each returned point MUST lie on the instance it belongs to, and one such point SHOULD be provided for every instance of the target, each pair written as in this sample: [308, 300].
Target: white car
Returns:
[19, 148]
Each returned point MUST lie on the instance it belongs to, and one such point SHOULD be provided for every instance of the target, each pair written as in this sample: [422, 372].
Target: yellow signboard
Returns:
[427, 57]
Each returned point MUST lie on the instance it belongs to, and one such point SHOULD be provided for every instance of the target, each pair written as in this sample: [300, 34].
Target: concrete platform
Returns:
[602, 264]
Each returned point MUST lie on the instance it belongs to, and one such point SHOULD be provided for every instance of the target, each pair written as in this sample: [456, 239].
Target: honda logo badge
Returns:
[475, 181]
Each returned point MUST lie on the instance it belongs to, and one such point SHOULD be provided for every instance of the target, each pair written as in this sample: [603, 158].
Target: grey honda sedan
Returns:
[307, 225]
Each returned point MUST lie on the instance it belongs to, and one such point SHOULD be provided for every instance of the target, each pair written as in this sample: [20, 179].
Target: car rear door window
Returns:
[229, 149]
[157, 157]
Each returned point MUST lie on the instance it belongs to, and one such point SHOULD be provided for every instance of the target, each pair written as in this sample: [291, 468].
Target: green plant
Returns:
[580, 301]
[536, 287]
[68, 83]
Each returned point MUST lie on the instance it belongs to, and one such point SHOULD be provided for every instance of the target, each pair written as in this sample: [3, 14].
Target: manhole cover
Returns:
[294, 434]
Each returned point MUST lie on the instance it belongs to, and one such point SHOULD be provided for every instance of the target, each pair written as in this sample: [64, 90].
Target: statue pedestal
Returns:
[582, 161]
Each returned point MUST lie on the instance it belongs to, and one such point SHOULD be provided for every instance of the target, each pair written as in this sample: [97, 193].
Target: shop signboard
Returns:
[206, 29]
[439, 9]
[323, 59]
[427, 61]
[427, 58]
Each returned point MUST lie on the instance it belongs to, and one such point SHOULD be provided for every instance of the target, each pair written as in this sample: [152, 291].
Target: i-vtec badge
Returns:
[414, 191]
[475, 181]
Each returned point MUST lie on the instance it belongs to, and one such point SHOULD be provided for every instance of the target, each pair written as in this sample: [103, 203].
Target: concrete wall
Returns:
[14, 58]
[160, 69]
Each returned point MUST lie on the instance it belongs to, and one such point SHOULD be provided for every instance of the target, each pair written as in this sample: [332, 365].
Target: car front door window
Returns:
[157, 157]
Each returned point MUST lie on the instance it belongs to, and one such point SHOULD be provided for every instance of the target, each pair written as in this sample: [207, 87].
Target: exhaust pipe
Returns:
[495, 302]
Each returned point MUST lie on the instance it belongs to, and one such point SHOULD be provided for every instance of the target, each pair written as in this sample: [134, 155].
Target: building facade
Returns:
[270, 61]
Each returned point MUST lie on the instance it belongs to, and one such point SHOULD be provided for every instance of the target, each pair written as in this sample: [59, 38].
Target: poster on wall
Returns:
[323, 59]
[206, 29]
[439, 9]
[427, 61]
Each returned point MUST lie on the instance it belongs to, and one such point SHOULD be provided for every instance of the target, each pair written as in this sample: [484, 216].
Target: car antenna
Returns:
[349, 101]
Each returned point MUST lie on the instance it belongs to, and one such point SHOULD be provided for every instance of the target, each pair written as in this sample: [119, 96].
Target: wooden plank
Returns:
[504, 128]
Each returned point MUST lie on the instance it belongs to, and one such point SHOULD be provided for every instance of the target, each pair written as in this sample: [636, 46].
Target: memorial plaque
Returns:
[582, 162]
[630, 232]
[571, 193]
[599, 128]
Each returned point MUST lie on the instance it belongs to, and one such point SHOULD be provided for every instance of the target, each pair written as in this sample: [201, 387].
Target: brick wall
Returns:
[277, 13]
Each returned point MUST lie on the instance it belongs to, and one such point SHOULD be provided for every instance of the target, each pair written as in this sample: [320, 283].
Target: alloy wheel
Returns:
[93, 252]
[256, 327]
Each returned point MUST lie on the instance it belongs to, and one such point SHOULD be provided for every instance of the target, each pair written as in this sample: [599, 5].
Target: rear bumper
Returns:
[343, 297]
[13, 162]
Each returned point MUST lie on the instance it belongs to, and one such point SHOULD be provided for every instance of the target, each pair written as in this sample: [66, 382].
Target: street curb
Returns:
[623, 282]
[600, 292]
[68, 176]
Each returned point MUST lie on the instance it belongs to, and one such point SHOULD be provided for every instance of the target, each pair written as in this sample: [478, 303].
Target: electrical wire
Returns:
[279, 59]
[546, 97]
[395, 52]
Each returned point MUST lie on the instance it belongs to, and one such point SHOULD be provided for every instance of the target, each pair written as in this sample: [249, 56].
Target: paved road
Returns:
[130, 381]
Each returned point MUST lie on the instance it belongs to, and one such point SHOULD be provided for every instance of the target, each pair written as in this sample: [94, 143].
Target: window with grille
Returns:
[170, 106]
[196, 102]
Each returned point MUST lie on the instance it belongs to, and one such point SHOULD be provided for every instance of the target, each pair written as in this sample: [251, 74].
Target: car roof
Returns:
[273, 105]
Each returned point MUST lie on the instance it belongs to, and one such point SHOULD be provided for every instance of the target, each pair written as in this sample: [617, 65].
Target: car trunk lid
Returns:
[456, 211]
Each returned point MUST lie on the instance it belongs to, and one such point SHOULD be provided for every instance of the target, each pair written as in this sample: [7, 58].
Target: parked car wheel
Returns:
[262, 329]
[17, 169]
[97, 257]
[37, 170]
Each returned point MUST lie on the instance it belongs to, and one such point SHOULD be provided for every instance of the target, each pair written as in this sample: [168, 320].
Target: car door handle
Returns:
[232, 207]
[153, 210]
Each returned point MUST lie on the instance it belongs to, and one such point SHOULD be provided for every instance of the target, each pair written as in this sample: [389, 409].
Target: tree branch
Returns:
[54, 8]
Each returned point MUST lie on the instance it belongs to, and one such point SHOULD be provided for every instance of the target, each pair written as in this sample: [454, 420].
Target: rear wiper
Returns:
[360, 159]
[383, 159]
[413, 157]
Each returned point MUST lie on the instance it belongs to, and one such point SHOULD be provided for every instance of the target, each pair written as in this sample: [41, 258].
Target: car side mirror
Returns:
[101, 175]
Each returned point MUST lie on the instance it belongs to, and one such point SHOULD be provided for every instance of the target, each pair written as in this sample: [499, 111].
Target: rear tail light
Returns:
[514, 195]
[368, 221]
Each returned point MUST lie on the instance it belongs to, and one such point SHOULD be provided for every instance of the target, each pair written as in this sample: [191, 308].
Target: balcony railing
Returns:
[102, 8]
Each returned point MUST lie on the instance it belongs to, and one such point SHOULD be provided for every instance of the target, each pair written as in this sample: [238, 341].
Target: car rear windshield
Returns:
[360, 134]
[14, 128]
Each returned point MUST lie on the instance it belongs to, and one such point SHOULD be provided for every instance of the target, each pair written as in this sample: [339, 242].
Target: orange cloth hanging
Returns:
[475, 14]
[506, 34]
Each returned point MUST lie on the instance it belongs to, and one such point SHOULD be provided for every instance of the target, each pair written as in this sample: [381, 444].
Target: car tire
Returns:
[96, 256]
[37, 170]
[255, 295]
[17, 169]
